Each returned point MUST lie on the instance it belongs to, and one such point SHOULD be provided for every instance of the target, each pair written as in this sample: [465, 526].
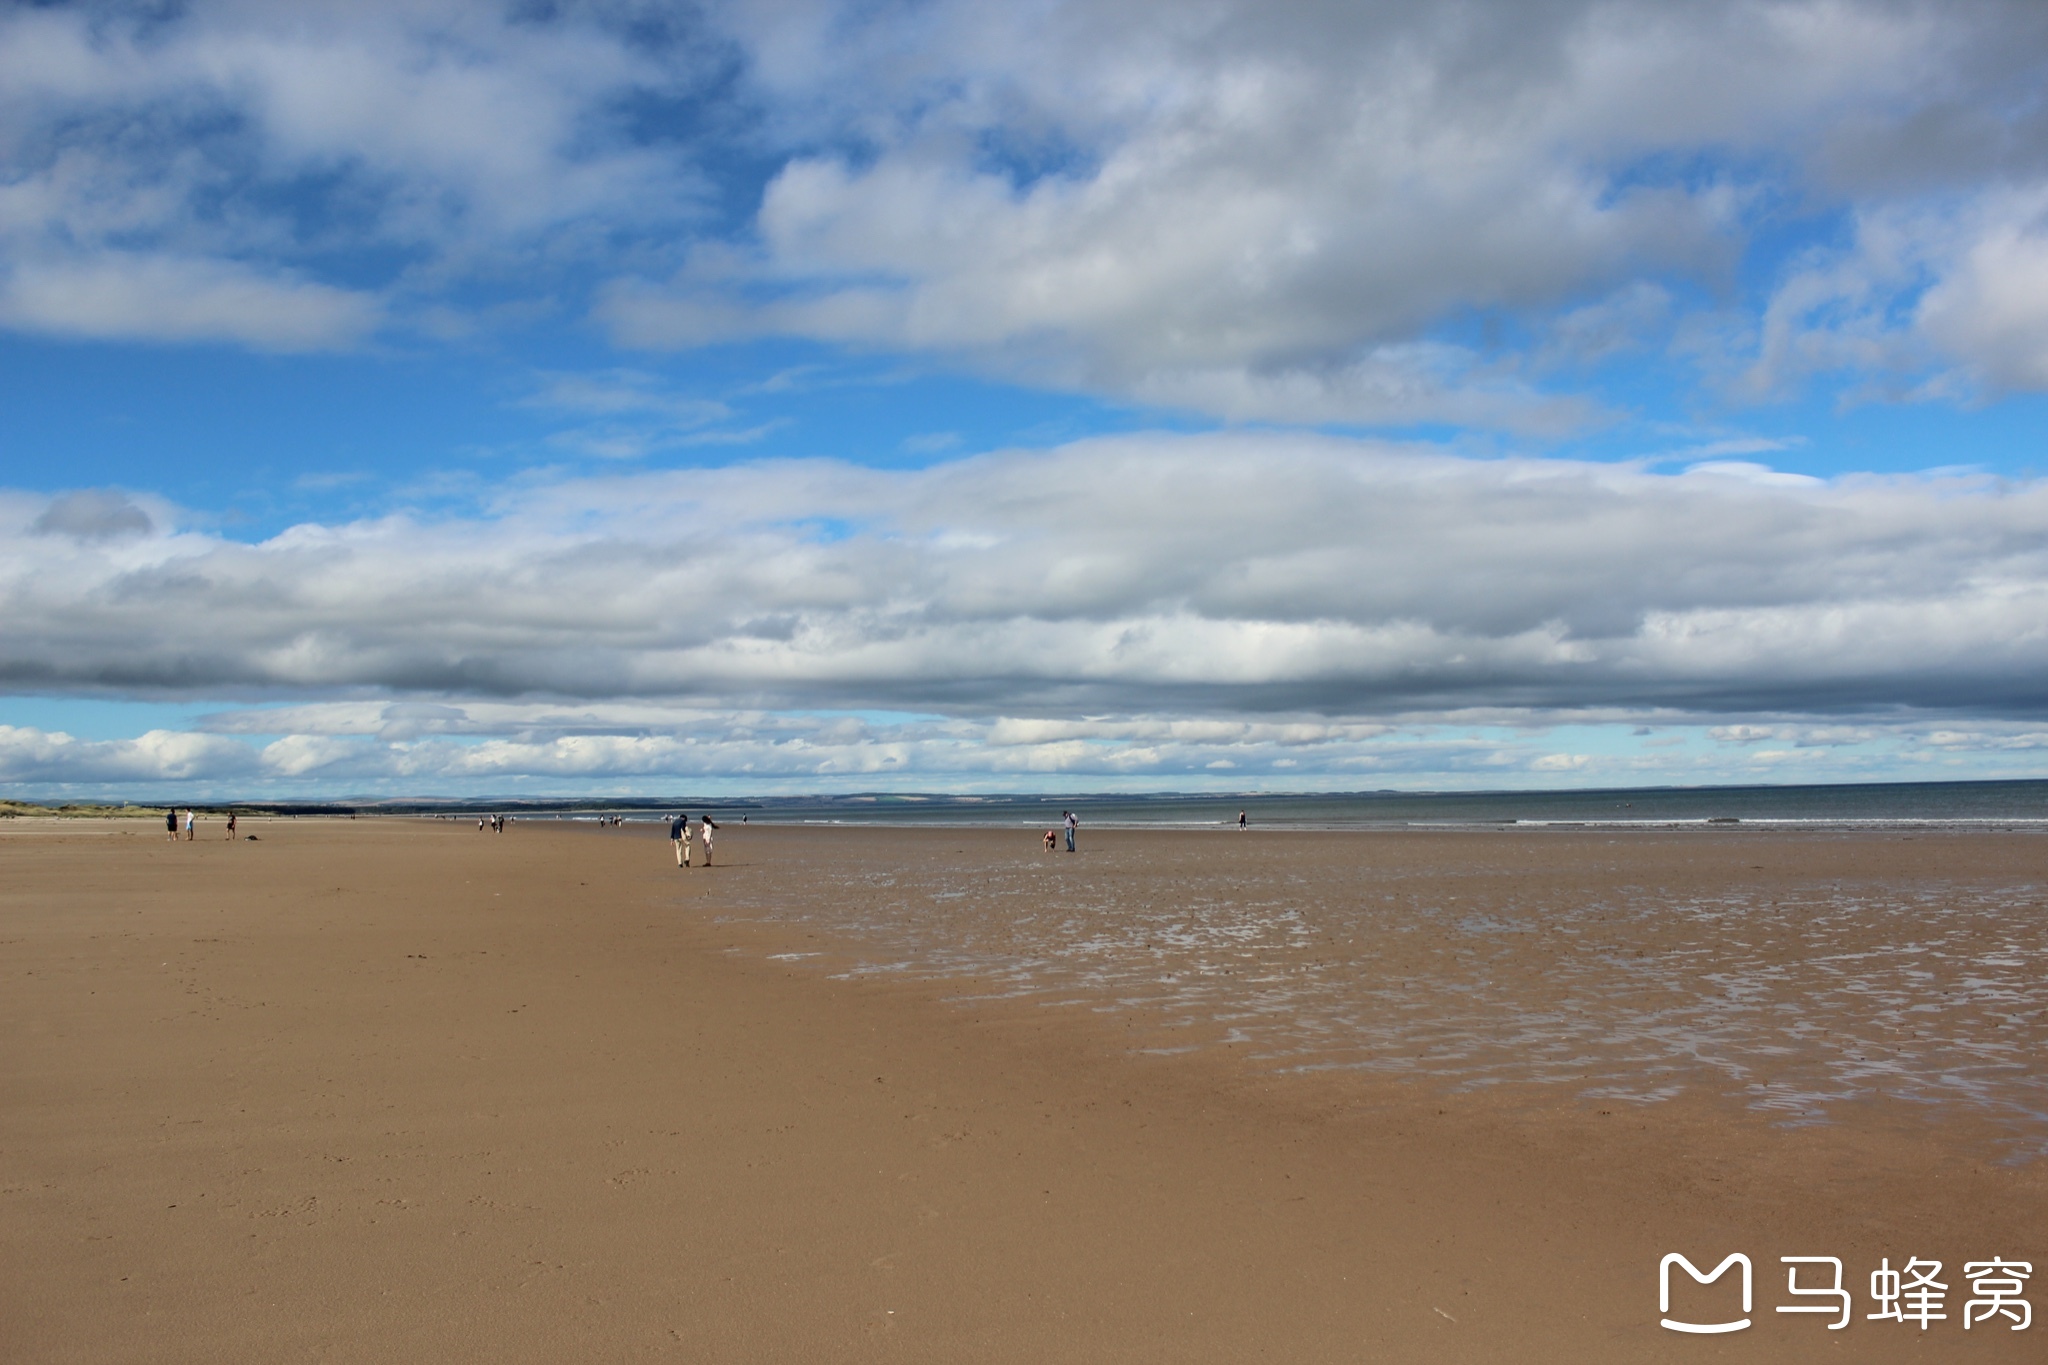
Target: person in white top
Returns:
[709, 825]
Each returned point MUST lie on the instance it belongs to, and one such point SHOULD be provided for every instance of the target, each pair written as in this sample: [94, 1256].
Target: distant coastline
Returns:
[2017, 803]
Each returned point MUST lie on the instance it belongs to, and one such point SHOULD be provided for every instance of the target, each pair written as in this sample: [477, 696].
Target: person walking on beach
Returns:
[191, 820]
[678, 834]
[231, 824]
[1240, 822]
[171, 824]
[709, 825]
[1073, 823]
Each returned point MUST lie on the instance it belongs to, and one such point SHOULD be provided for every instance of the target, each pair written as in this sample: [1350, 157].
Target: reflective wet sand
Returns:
[1791, 972]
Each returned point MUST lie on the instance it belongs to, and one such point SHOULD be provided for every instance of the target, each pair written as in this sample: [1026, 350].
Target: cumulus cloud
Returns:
[161, 298]
[1989, 308]
[1271, 211]
[1285, 211]
[190, 175]
[29, 756]
[1215, 575]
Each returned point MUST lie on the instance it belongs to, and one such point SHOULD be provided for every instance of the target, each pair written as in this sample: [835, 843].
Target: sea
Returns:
[1865, 805]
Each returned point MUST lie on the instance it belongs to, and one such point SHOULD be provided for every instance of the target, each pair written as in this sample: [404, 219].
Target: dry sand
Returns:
[387, 1090]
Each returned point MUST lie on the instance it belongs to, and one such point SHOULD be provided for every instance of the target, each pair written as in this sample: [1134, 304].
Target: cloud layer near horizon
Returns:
[1172, 575]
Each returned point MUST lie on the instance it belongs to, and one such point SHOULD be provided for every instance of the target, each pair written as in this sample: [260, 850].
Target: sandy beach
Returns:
[397, 1090]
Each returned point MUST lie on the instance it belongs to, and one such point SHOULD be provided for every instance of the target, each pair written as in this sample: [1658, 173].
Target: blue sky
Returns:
[456, 398]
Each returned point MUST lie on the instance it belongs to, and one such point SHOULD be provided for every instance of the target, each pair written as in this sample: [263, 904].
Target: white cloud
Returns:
[1752, 472]
[157, 298]
[621, 393]
[1742, 734]
[1221, 575]
[188, 176]
[1944, 298]
[1990, 308]
[28, 755]
[1286, 211]
[471, 746]
[1264, 212]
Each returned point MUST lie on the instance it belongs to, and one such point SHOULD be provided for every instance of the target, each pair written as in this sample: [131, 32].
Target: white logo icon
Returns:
[1664, 1291]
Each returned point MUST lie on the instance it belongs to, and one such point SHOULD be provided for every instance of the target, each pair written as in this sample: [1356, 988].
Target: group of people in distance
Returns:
[493, 823]
[191, 824]
[1073, 822]
[680, 834]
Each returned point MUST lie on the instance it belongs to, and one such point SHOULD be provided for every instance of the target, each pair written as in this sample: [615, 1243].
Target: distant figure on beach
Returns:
[1073, 823]
[679, 835]
[480, 824]
[1240, 822]
[1049, 838]
[171, 824]
[231, 824]
[191, 820]
[709, 825]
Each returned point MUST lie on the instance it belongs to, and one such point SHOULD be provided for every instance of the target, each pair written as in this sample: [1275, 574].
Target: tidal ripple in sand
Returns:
[1621, 982]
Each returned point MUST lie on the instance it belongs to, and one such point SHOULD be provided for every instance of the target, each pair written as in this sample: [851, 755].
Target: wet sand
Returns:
[382, 1090]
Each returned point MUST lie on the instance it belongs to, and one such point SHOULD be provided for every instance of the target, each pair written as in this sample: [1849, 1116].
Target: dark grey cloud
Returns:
[93, 514]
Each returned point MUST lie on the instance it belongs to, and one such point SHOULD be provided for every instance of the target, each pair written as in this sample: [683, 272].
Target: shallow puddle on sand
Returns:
[1791, 996]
